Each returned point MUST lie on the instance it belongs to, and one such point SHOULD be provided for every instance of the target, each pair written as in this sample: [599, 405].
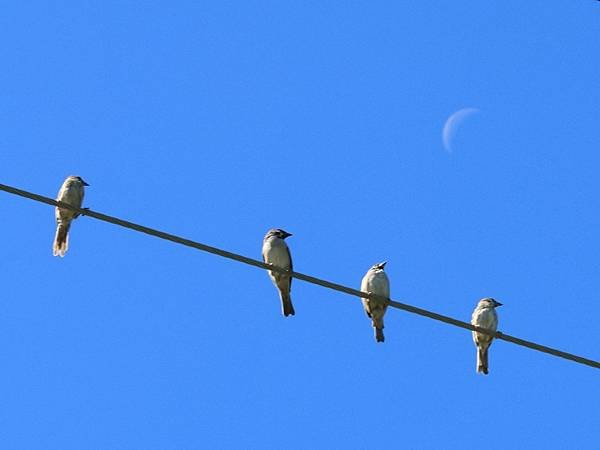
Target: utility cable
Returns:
[300, 276]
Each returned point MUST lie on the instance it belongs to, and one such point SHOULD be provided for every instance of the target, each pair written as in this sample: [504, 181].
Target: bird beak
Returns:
[497, 304]
[84, 183]
[286, 234]
[383, 264]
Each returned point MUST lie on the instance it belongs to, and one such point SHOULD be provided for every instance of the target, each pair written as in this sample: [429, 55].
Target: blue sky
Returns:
[217, 121]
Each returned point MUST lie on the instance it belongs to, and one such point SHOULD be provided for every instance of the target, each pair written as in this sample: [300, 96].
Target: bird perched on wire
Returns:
[376, 282]
[484, 316]
[71, 192]
[276, 252]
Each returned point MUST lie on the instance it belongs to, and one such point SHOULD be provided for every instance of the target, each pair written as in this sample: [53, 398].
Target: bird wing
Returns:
[364, 287]
[287, 249]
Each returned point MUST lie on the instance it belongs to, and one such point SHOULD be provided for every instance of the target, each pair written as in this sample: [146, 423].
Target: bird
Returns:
[275, 252]
[484, 316]
[71, 192]
[376, 282]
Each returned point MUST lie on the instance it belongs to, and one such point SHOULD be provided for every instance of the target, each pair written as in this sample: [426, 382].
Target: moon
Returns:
[452, 123]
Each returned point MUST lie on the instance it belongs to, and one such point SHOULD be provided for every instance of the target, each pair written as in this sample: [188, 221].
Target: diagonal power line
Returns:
[301, 276]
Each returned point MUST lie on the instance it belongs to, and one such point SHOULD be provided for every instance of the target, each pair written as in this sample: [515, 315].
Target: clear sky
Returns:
[219, 120]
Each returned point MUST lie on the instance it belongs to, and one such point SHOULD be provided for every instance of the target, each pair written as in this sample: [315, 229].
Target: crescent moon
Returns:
[452, 124]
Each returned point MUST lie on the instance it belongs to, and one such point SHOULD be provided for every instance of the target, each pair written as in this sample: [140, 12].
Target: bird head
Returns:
[278, 232]
[379, 266]
[77, 179]
[489, 302]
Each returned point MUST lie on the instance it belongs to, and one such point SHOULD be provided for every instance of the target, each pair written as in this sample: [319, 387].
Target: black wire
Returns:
[301, 276]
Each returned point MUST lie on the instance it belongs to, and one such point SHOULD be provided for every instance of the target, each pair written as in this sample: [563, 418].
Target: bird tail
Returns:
[378, 325]
[482, 360]
[286, 305]
[61, 240]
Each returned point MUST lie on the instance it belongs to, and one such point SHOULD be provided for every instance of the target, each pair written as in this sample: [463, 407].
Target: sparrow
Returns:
[71, 192]
[484, 316]
[276, 252]
[376, 282]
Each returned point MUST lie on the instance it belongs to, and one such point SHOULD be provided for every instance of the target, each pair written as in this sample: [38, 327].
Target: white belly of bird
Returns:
[278, 256]
[487, 319]
[379, 285]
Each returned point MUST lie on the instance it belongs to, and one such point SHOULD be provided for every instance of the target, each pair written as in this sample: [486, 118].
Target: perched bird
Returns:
[276, 252]
[71, 192]
[376, 282]
[484, 316]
